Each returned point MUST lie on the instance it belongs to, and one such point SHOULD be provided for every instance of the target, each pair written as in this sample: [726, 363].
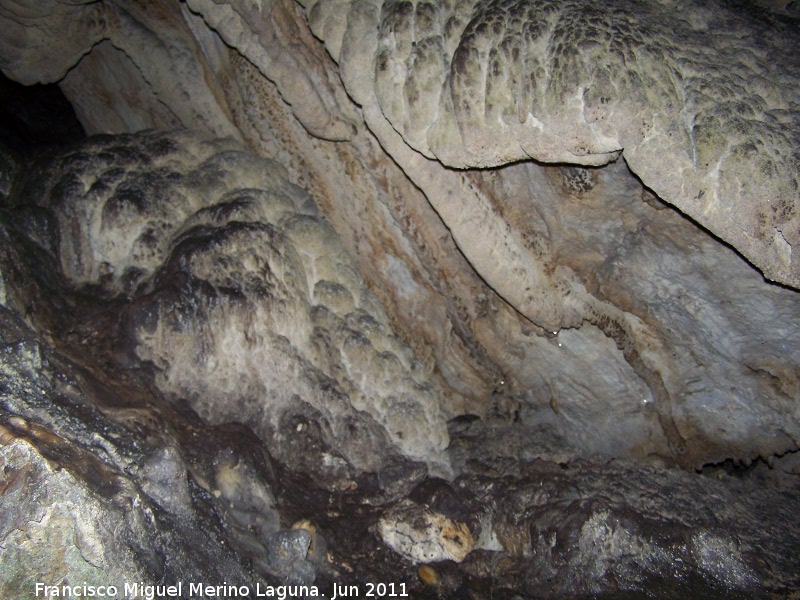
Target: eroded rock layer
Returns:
[121, 463]
[239, 295]
[702, 100]
[477, 270]
[369, 270]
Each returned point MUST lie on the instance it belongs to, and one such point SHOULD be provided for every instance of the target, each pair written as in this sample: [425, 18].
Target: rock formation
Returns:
[492, 299]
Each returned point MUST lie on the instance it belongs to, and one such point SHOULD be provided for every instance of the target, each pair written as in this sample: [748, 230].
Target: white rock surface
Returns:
[671, 345]
[242, 298]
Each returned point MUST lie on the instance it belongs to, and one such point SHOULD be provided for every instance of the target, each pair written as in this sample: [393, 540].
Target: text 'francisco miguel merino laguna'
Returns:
[193, 590]
[201, 590]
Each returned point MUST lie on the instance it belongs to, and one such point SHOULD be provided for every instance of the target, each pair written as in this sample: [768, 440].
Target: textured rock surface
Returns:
[414, 259]
[701, 100]
[241, 298]
[564, 319]
[99, 392]
[104, 493]
[130, 52]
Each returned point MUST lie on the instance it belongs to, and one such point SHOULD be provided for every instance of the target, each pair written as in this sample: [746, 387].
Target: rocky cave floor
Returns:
[108, 479]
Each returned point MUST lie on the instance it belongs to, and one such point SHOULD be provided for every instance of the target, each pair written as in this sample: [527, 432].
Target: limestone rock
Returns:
[43, 40]
[424, 536]
[78, 502]
[369, 268]
[700, 100]
[579, 529]
[674, 285]
[129, 52]
[478, 270]
[273, 38]
[240, 296]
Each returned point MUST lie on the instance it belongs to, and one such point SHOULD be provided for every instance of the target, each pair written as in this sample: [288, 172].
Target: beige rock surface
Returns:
[550, 295]
[242, 298]
[104, 53]
[702, 101]
[360, 305]
[424, 536]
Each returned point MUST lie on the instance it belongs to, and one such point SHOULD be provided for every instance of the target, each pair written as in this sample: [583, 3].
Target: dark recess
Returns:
[32, 117]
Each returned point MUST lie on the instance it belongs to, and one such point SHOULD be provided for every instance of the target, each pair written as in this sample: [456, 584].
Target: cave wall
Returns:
[430, 239]
[480, 269]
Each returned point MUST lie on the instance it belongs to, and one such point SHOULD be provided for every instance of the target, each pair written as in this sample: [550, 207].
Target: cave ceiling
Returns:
[412, 241]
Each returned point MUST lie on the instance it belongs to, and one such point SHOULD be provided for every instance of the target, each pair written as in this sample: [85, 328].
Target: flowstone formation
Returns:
[701, 100]
[237, 293]
[436, 257]
[478, 269]
[197, 396]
